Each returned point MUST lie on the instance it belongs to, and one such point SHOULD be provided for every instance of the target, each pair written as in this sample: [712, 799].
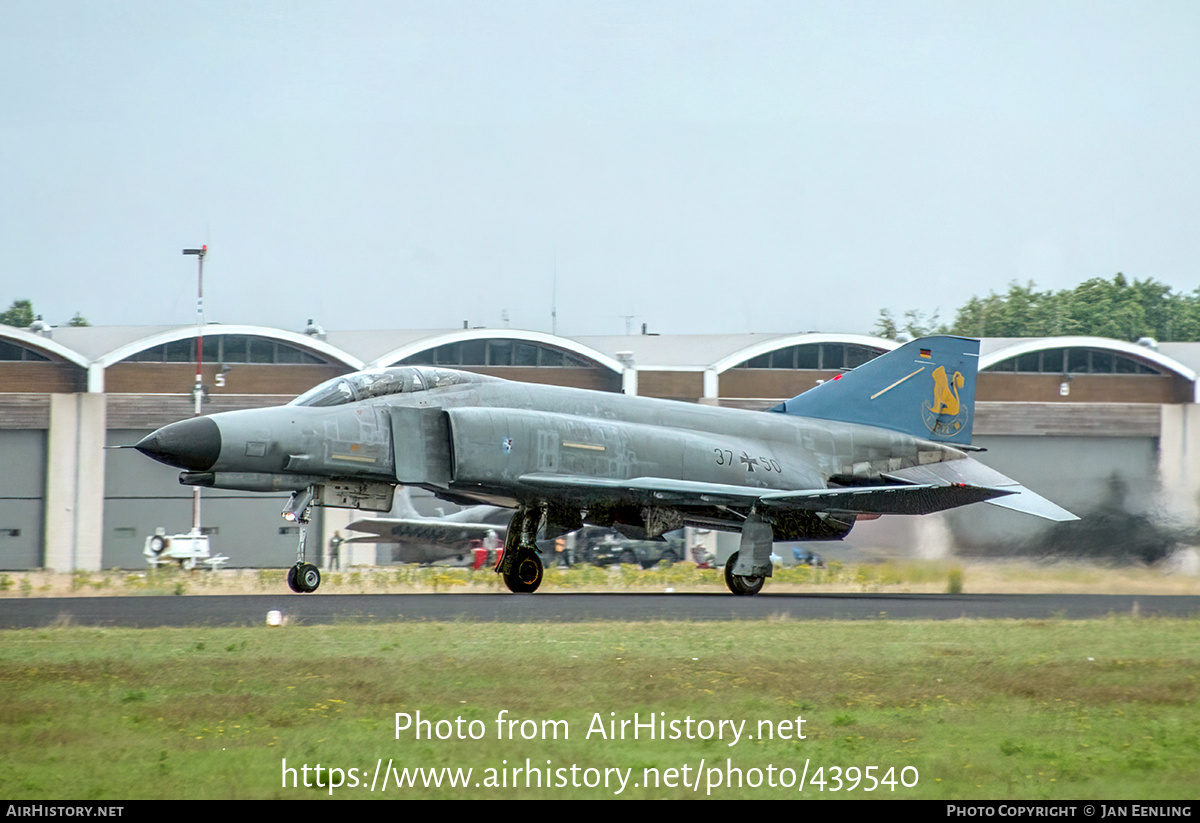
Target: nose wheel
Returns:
[304, 578]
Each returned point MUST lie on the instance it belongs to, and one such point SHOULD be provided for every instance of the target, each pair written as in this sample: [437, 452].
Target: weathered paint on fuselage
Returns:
[492, 432]
[523, 429]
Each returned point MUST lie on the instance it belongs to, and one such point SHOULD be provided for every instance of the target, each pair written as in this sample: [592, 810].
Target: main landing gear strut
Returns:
[521, 565]
[749, 567]
[302, 578]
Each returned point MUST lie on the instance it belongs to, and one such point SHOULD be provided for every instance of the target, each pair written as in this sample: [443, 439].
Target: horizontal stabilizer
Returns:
[973, 473]
[1023, 500]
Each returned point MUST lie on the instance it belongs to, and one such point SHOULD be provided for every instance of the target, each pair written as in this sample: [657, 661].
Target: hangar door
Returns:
[22, 489]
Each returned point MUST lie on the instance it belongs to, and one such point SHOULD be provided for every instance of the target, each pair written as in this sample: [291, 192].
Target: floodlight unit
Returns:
[198, 388]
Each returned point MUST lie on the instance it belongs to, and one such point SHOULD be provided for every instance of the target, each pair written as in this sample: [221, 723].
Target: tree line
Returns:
[21, 315]
[1119, 308]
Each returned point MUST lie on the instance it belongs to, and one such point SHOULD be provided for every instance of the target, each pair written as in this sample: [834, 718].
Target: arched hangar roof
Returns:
[776, 343]
[43, 344]
[566, 344]
[171, 335]
[998, 351]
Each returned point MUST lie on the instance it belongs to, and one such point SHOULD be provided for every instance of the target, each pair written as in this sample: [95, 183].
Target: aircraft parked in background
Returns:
[423, 539]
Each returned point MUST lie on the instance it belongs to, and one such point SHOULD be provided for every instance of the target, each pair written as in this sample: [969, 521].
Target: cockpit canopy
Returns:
[364, 385]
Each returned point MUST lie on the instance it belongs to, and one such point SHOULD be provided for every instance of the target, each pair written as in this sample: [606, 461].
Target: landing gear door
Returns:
[421, 443]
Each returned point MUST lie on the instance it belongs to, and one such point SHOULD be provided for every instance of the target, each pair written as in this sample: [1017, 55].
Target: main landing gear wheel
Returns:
[525, 576]
[520, 565]
[304, 578]
[741, 586]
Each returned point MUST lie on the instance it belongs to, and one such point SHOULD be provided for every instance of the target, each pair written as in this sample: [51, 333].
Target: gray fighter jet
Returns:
[890, 437]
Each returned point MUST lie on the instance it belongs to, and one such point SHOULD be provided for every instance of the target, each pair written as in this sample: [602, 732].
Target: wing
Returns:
[920, 490]
[438, 532]
[900, 498]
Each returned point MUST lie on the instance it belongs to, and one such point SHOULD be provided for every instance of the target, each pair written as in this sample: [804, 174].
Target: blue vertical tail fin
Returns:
[925, 388]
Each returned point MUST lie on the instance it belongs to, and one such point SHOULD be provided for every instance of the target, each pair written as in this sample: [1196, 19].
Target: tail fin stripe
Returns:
[897, 383]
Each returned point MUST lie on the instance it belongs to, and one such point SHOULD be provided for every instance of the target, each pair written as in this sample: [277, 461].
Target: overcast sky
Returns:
[702, 166]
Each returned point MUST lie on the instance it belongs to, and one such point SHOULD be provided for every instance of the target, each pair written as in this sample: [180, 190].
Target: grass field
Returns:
[1054, 709]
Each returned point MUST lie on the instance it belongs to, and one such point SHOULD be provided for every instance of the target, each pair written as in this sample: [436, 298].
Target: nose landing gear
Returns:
[302, 578]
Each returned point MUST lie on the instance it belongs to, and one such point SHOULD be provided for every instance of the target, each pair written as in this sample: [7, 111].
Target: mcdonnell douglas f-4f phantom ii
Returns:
[890, 437]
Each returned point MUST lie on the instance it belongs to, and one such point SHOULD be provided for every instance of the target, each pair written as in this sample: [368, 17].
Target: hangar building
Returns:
[1100, 426]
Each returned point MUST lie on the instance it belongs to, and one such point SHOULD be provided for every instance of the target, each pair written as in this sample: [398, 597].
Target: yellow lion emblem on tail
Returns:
[945, 392]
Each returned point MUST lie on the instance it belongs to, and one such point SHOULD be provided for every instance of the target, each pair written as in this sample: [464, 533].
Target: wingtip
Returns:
[1027, 502]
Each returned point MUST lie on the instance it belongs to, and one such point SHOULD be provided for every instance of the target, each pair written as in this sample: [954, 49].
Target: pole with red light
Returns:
[198, 389]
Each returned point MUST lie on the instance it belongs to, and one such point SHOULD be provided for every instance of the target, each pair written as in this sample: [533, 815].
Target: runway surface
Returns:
[246, 610]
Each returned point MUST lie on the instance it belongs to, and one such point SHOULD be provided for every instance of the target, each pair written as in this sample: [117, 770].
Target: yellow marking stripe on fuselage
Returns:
[589, 446]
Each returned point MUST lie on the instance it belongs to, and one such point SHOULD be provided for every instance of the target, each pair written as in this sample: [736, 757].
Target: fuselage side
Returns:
[496, 431]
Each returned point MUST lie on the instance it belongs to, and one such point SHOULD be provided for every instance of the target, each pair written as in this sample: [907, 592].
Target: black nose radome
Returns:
[191, 444]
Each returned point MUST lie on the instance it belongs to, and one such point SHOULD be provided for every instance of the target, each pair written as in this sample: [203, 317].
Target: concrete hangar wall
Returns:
[1082, 420]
